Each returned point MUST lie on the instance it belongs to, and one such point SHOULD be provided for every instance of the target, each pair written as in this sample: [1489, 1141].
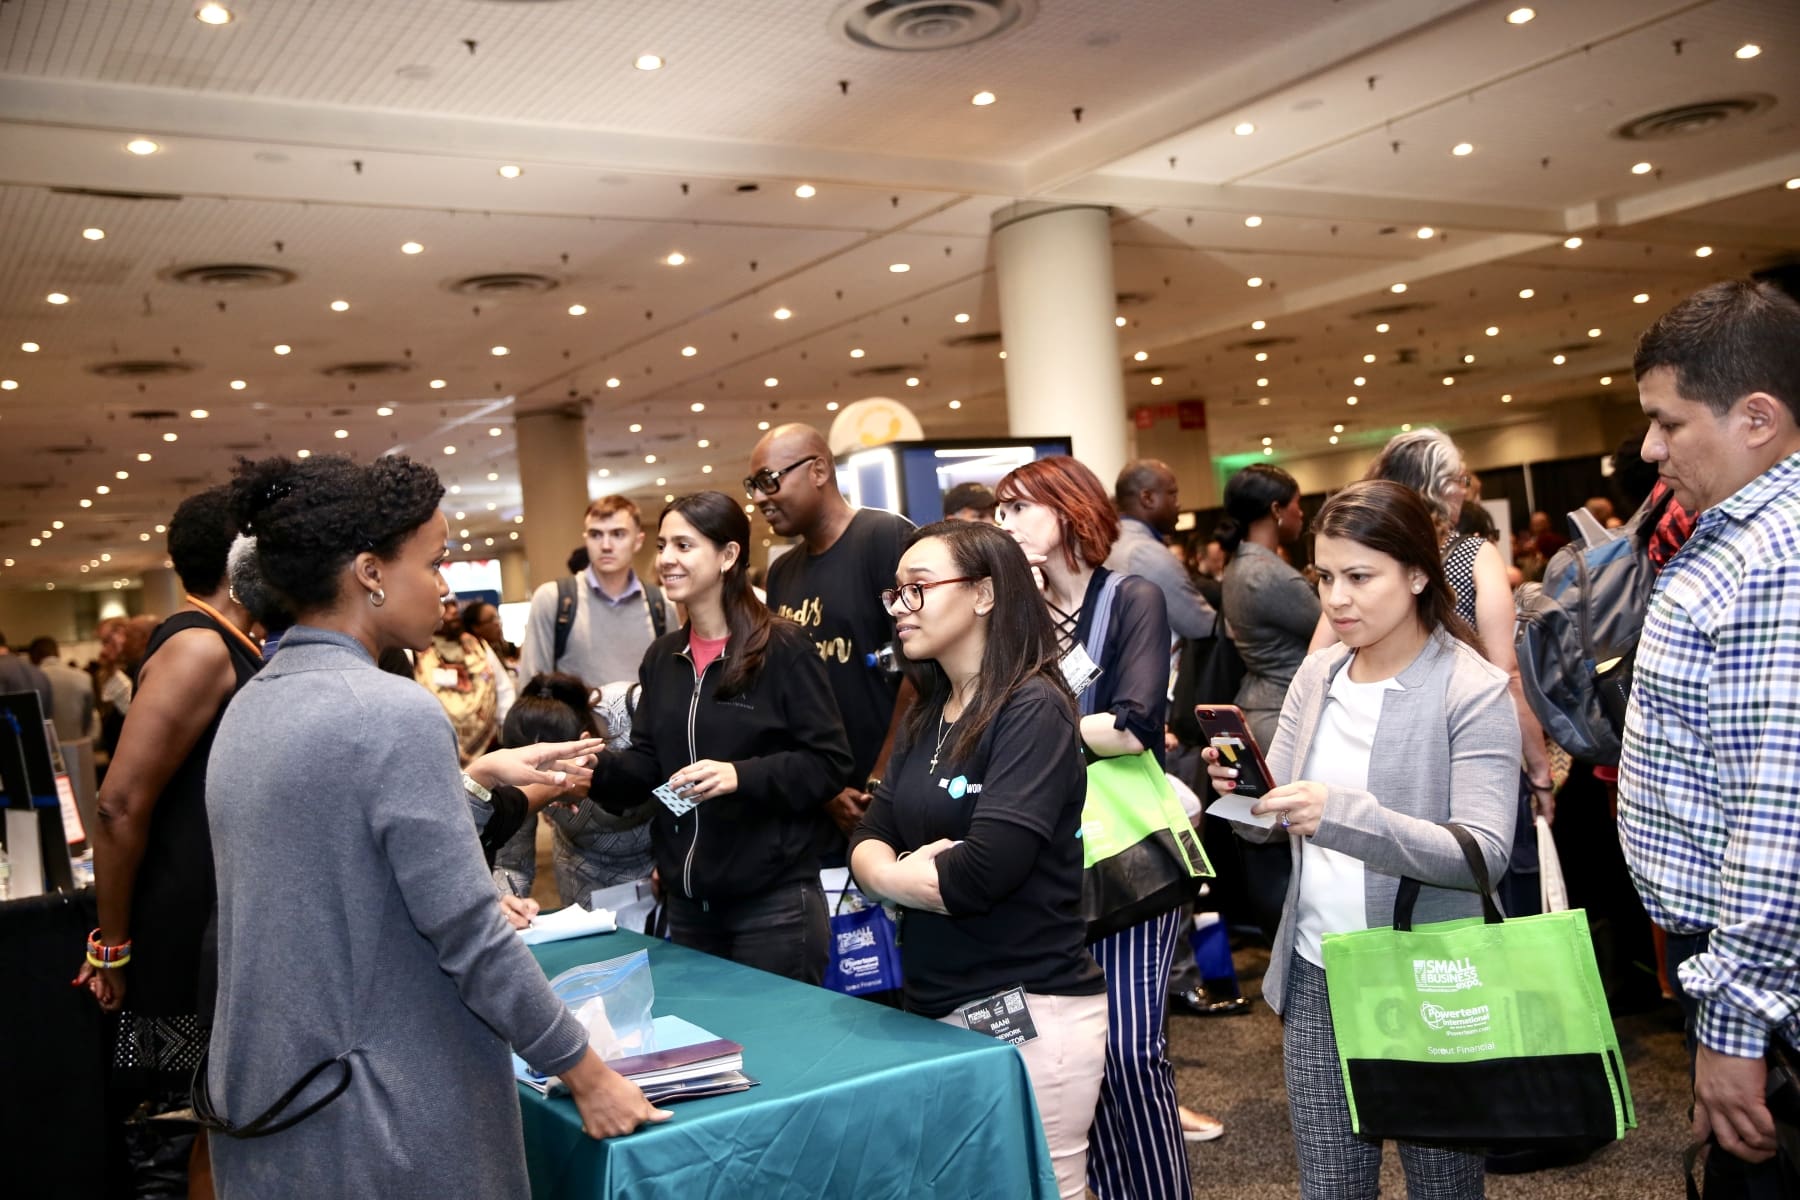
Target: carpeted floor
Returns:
[1231, 1068]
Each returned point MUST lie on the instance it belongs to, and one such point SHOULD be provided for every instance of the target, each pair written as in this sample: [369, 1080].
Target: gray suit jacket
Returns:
[1140, 552]
[1446, 749]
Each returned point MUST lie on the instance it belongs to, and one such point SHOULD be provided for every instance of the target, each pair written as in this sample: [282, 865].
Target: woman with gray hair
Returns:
[267, 612]
[1428, 462]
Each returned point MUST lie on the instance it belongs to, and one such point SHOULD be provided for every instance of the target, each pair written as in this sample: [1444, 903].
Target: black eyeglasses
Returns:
[912, 595]
[768, 481]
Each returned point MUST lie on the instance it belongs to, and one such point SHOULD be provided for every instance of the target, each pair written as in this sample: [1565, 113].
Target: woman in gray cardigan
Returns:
[1383, 738]
[358, 929]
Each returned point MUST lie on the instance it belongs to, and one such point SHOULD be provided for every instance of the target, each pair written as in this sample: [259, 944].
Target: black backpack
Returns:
[1577, 635]
[568, 595]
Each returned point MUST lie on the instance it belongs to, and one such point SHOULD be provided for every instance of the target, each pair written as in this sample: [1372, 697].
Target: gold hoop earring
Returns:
[378, 597]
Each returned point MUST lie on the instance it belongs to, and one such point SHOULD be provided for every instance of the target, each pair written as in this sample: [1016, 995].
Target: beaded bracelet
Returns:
[108, 956]
[108, 966]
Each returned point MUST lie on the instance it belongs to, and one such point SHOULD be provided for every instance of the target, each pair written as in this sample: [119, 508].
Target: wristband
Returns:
[107, 955]
[476, 790]
[108, 966]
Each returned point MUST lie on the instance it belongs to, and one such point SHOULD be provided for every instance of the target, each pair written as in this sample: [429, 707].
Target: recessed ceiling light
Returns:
[1119, 321]
[1253, 221]
[649, 458]
[1703, 252]
[1519, 16]
[1606, 381]
[1462, 149]
[1002, 355]
[578, 310]
[806, 191]
[1262, 382]
[1254, 281]
[697, 406]
[1573, 243]
[613, 382]
[1337, 429]
[1506, 398]
[1243, 128]
[29, 347]
[1263, 400]
[1468, 358]
[284, 349]
[384, 411]
[675, 258]
[1156, 381]
[1526, 293]
[1141, 355]
[511, 171]
[303, 453]
[143, 537]
[439, 383]
[1333, 439]
[1396, 288]
[762, 425]
[856, 353]
[634, 427]
[1426, 233]
[499, 352]
[56, 298]
[456, 489]
[1641, 298]
[982, 99]
[238, 385]
[782, 314]
[1262, 356]
[340, 306]
[213, 14]
[1368, 358]
[1642, 168]
[1359, 380]
[962, 318]
[899, 268]
[143, 456]
[1350, 400]
[956, 404]
[449, 449]
[1594, 332]
[340, 433]
[1747, 50]
[912, 381]
[94, 233]
[142, 146]
[1560, 359]
[771, 381]
[495, 431]
[411, 248]
[1449, 380]
[689, 351]
[1259, 324]
[662, 481]
[648, 62]
[1382, 328]
[832, 406]
[1268, 450]
[703, 443]
[199, 414]
[1268, 441]
[493, 477]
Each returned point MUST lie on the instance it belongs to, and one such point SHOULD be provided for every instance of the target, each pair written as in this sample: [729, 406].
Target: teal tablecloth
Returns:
[856, 1100]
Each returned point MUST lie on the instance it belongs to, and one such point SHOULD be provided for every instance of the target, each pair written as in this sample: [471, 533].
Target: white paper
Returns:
[1237, 808]
[571, 922]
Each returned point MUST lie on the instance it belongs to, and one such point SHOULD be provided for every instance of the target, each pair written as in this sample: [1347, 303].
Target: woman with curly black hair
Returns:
[368, 985]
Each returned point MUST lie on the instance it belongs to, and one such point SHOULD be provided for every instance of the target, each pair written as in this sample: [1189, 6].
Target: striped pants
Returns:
[1135, 1151]
[1335, 1164]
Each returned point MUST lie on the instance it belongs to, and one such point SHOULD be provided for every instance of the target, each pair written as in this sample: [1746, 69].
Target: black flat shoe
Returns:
[1195, 1002]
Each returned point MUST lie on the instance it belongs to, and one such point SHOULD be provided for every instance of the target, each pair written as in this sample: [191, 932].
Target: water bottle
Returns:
[883, 660]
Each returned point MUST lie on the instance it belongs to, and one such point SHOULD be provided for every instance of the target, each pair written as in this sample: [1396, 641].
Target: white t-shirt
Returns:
[1331, 883]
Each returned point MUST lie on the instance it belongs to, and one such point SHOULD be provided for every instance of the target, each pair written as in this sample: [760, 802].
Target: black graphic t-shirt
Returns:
[836, 598]
[1013, 887]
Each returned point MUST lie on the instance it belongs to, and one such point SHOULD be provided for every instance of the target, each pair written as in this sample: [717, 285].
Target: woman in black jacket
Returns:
[736, 715]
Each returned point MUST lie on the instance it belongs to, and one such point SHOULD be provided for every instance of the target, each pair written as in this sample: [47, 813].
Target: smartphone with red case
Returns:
[1228, 732]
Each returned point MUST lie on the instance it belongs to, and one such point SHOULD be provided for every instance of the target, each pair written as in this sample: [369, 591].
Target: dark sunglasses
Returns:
[768, 481]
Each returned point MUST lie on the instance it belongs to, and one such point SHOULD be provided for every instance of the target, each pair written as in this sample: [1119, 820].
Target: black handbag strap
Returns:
[266, 1122]
[1408, 894]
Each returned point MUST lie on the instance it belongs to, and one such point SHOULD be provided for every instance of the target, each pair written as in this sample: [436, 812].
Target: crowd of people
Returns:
[360, 810]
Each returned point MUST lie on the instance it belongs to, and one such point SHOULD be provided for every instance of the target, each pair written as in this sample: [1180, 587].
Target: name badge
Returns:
[1006, 1017]
[1078, 670]
[444, 677]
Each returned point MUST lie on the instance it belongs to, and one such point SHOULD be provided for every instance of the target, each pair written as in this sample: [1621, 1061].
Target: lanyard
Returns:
[233, 630]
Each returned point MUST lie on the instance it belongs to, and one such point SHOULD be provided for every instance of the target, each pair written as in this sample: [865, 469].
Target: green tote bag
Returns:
[1141, 854]
[1476, 1032]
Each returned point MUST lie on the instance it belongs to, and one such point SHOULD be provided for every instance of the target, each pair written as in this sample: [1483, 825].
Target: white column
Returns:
[514, 584]
[162, 591]
[1054, 267]
[553, 483]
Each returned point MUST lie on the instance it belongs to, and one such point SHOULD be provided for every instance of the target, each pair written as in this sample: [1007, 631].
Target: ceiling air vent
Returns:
[884, 370]
[141, 368]
[928, 24]
[65, 451]
[365, 370]
[961, 341]
[1152, 368]
[1685, 120]
[1263, 343]
[154, 414]
[1387, 311]
[504, 283]
[230, 275]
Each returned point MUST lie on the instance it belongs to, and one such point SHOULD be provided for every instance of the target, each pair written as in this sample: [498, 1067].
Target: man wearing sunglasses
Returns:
[831, 586]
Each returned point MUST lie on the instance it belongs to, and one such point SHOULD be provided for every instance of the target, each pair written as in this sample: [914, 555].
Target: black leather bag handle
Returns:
[1409, 887]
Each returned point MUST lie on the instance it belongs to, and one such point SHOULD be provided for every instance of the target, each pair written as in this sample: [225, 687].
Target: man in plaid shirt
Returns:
[1709, 782]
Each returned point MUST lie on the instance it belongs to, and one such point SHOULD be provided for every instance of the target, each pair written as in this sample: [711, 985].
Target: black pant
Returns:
[783, 931]
[1726, 1174]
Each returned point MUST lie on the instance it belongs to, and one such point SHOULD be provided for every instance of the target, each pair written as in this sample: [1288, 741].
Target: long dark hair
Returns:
[1393, 519]
[1248, 497]
[1021, 642]
[721, 521]
[550, 708]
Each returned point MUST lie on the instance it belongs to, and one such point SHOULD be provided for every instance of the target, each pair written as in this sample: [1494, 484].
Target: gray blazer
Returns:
[1139, 551]
[1446, 749]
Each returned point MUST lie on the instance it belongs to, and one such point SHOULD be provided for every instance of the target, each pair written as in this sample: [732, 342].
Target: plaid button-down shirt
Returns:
[1709, 782]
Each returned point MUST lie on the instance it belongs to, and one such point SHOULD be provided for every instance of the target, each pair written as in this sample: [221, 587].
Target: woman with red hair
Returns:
[1060, 514]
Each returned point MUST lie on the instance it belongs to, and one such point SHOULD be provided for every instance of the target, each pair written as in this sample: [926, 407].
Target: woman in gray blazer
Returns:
[1399, 728]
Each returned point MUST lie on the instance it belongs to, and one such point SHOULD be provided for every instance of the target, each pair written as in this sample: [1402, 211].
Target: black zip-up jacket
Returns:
[783, 735]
